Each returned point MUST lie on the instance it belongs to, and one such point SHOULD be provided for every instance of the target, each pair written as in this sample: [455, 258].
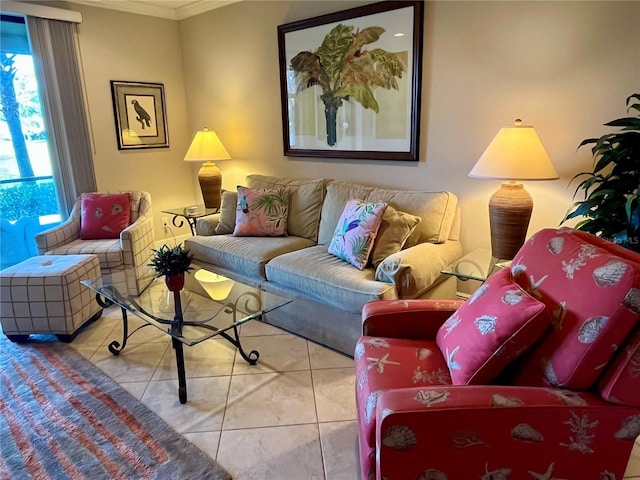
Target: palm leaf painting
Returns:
[344, 69]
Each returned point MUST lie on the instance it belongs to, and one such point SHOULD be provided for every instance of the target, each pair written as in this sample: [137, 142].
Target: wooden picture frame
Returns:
[139, 111]
[350, 83]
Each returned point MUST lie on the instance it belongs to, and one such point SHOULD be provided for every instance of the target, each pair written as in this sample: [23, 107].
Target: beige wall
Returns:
[564, 67]
[121, 46]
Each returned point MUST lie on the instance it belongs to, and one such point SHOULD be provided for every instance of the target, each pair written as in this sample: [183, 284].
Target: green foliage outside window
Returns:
[28, 199]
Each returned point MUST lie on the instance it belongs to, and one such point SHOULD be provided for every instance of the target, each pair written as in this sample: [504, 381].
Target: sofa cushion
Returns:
[593, 297]
[490, 330]
[227, 218]
[338, 194]
[393, 363]
[244, 255]
[104, 215]
[356, 231]
[305, 202]
[436, 209]
[393, 233]
[261, 213]
[319, 275]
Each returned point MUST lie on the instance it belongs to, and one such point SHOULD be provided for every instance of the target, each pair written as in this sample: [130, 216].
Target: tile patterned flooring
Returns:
[291, 416]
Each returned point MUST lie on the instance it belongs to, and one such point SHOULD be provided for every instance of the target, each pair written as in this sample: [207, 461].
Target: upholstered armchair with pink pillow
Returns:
[115, 226]
[536, 376]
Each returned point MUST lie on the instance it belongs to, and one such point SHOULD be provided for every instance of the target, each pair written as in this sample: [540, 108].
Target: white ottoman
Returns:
[43, 295]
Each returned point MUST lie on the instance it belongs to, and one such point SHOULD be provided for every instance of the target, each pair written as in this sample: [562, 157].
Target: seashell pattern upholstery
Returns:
[568, 408]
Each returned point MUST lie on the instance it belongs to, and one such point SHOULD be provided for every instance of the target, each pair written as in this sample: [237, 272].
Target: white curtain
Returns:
[55, 55]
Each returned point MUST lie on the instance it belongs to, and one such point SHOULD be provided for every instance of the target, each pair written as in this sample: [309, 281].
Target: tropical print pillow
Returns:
[261, 213]
[356, 230]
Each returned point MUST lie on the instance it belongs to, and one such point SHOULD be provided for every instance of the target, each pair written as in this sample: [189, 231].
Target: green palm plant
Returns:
[611, 208]
[343, 69]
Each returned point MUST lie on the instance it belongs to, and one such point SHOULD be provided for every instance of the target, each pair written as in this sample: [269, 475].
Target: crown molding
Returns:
[201, 6]
[156, 9]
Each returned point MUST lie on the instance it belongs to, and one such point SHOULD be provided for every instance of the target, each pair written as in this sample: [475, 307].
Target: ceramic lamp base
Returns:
[509, 214]
[210, 178]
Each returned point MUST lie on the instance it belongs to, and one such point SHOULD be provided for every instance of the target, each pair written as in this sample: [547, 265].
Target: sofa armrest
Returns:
[66, 232]
[414, 270]
[207, 225]
[468, 432]
[415, 319]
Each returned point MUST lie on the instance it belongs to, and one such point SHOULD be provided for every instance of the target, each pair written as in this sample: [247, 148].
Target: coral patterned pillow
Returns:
[261, 213]
[104, 215]
[356, 230]
[490, 330]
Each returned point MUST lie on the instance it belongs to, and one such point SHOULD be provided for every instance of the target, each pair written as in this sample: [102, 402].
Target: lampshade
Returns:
[515, 153]
[206, 147]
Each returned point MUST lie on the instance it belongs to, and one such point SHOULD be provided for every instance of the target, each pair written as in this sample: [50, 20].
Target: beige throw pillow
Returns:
[394, 231]
[227, 213]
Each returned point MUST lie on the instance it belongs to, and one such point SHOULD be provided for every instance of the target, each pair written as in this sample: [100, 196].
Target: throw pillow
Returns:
[228, 207]
[490, 330]
[261, 213]
[104, 215]
[394, 230]
[356, 230]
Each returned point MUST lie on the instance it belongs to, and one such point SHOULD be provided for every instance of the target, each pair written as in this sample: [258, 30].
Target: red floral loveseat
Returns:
[536, 376]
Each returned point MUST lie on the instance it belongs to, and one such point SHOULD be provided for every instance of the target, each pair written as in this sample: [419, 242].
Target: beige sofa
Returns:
[329, 293]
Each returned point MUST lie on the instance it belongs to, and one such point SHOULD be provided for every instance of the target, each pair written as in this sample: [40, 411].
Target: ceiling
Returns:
[171, 9]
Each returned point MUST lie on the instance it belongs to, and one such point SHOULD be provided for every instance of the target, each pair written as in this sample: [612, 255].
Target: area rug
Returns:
[62, 418]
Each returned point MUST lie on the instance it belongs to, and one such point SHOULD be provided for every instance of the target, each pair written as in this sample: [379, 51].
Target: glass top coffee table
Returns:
[190, 316]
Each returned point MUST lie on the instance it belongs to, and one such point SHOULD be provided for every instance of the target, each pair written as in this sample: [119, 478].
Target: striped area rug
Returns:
[63, 418]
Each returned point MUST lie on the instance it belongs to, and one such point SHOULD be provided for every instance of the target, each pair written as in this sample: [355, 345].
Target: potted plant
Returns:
[173, 263]
[611, 208]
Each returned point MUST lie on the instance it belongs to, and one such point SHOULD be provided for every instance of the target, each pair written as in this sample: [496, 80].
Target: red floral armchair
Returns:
[536, 376]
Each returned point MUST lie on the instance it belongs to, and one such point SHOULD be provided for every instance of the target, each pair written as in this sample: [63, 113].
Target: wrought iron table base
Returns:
[115, 347]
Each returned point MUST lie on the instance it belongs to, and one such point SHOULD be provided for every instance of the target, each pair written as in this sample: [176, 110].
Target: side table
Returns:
[191, 214]
[478, 265]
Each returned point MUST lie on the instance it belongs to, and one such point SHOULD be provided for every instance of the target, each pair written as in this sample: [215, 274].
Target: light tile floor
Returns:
[291, 416]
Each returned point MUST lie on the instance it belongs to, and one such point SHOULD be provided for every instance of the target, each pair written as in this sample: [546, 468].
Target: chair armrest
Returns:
[207, 225]
[415, 319]
[470, 431]
[136, 241]
[55, 237]
[414, 270]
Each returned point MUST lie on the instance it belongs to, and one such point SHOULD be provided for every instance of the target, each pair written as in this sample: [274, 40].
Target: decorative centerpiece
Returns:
[173, 263]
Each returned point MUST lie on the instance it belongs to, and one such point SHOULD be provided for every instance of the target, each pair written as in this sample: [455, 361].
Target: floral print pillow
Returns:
[356, 230]
[261, 213]
[104, 215]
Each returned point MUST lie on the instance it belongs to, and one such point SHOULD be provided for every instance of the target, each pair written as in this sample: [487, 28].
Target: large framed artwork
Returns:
[350, 83]
[140, 115]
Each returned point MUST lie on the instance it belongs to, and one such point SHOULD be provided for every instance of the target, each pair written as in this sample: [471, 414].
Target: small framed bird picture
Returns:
[140, 115]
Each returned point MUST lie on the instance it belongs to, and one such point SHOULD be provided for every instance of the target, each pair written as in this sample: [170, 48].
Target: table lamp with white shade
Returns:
[207, 147]
[516, 153]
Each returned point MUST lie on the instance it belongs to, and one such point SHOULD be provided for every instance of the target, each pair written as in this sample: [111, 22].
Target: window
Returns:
[28, 201]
